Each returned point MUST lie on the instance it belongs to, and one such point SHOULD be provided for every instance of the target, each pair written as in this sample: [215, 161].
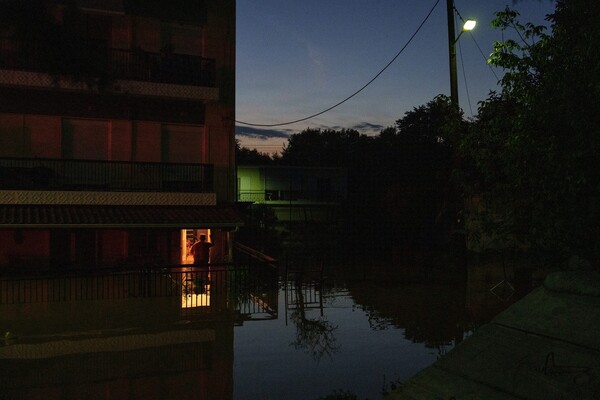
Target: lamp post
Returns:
[452, 39]
[457, 201]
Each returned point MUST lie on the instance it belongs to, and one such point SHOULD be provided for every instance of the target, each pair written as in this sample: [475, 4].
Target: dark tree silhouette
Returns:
[316, 336]
[398, 181]
[246, 156]
[535, 146]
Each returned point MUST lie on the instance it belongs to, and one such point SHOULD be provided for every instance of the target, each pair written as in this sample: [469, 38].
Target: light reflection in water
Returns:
[195, 300]
[299, 340]
[350, 334]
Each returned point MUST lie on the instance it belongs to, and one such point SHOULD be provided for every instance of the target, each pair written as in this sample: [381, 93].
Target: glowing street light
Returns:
[467, 26]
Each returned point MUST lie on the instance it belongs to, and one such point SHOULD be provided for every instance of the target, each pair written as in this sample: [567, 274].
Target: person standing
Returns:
[201, 251]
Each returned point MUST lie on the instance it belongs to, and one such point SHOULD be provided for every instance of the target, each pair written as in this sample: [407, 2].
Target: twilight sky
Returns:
[296, 58]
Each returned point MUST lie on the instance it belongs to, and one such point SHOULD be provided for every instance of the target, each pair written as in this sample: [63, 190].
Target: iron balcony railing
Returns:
[261, 196]
[249, 289]
[61, 174]
[137, 65]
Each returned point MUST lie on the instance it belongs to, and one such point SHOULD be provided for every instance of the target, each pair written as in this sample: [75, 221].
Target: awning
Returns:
[94, 216]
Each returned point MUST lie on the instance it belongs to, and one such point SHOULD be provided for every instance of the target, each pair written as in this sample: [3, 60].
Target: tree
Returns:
[324, 148]
[316, 336]
[535, 146]
[415, 171]
[434, 122]
[245, 156]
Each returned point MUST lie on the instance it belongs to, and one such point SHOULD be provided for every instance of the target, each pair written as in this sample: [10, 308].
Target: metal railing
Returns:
[135, 64]
[260, 196]
[61, 174]
[249, 289]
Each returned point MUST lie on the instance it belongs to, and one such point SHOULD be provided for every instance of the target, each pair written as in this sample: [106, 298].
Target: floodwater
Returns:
[301, 337]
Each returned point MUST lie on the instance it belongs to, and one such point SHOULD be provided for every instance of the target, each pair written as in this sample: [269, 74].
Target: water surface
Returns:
[226, 336]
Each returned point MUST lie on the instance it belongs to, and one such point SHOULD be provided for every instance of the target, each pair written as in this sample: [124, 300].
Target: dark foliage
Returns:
[399, 183]
[245, 156]
[535, 146]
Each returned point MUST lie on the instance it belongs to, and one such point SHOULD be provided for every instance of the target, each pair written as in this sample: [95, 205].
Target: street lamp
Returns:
[458, 203]
[468, 25]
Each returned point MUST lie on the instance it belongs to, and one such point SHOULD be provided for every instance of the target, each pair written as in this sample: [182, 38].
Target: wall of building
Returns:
[146, 136]
[47, 249]
[25, 247]
[73, 121]
[219, 43]
[306, 184]
[121, 140]
[23, 135]
[250, 178]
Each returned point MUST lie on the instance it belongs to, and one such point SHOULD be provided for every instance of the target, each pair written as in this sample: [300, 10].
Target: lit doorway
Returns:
[188, 238]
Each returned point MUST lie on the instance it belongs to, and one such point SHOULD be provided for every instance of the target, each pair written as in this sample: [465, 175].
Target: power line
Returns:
[359, 90]
[484, 57]
[462, 63]
[478, 47]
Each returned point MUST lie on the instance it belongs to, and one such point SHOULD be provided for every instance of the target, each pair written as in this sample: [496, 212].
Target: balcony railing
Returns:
[60, 174]
[249, 289]
[260, 196]
[135, 65]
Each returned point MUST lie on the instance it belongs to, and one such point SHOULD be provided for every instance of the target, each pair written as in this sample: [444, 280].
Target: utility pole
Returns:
[452, 51]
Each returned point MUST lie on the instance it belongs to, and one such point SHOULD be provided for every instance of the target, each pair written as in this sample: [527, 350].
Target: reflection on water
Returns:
[224, 334]
[314, 335]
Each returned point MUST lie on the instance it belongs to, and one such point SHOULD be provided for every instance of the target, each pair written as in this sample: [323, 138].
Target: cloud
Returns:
[252, 135]
[260, 134]
[367, 126]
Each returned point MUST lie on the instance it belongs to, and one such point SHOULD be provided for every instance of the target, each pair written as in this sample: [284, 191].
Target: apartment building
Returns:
[116, 132]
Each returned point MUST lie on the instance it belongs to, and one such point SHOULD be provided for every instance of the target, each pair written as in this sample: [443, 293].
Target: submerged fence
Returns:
[245, 288]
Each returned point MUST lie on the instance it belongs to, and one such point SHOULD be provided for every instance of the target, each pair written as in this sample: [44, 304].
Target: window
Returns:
[86, 139]
[182, 143]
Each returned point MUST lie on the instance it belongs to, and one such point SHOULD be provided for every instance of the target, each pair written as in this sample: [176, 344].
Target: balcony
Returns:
[248, 289]
[103, 176]
[116, 64]
[299, 196]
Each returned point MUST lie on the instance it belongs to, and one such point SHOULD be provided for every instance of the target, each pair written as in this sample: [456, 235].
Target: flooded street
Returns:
[312, 351]
[224, 336]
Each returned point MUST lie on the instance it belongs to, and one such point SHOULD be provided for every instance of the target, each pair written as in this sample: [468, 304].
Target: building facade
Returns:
[295, 194]
[116, 132]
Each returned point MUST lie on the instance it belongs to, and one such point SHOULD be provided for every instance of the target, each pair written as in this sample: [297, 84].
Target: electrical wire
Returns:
[484, 57]
[462, 63]
[359, 90]
[477, 44]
